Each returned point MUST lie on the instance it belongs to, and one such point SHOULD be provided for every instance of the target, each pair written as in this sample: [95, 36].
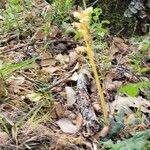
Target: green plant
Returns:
[140, 55]
[7, 69]
[139, 141]
[134, 89]
[61, 10]
[12, 17]
[83, 26]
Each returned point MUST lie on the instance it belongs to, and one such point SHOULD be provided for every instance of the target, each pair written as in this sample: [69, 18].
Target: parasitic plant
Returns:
[83, 26]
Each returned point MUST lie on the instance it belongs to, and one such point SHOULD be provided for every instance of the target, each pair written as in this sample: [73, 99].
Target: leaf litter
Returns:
[53, 95]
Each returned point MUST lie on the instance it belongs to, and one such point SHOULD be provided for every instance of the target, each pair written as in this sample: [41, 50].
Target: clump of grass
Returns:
[7, 69]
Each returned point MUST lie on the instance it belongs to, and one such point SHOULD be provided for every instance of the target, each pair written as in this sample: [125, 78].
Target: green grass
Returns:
[8, 69]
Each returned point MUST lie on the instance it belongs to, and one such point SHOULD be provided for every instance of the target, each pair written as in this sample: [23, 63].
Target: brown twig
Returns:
[8, 39]
[38, 42]
[14, 49]
[55, 84]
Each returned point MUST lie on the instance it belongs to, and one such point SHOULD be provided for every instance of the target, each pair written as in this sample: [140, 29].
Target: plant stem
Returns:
[88, 41]
[84, 4]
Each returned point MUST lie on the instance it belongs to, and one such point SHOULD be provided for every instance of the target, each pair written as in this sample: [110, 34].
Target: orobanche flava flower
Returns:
[83, 16]
[83, 26]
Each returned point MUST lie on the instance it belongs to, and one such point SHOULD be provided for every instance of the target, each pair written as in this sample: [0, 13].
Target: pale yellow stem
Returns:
[98, 83]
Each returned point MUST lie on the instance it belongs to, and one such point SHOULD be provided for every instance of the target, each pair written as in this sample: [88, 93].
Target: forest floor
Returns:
[48, 94]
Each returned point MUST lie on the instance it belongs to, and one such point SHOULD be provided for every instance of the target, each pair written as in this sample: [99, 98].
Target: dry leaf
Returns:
[60, 110]
[74, 77]
[39, 35]
[19, 80]
[50, 69]
[80, 49]
[127, 102]
[45, 55]
[71, 99]
[97, 107]
[62, 58]
[67, 126]
[4, 138]
[118, 40]
[72, 58]
[102, 133]
[48, 62]
[3, 91]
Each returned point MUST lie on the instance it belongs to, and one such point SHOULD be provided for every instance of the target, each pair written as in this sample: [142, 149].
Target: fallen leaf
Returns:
[72, 58]
[39, 34]
[50, 69]
[60, 110]
[62, 58]
[127, 102]
[118, 40]
[48, 62]
[3, 91]
[19, 80]
[80, 49]
[74, 77]
[4, 138]
[102, 133]
[79, 121]
[67, 126]
[71, 99]
[45, 55]
[97, 107]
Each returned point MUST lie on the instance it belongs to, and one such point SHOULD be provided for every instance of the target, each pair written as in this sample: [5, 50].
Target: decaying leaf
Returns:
[71, 99]
[48, 62]
[74, 77]
[103, 133]
[60, 110]
[50, 69]
[72, 58]
[67, 126]
[62, 58]
[19, 80]
[97, 107]
[80, 49]
[127, 102]
[39, 34]
[4, 138]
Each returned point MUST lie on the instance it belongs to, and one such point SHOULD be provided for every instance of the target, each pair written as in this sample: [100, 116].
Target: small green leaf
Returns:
[131, 90]
[134, 89]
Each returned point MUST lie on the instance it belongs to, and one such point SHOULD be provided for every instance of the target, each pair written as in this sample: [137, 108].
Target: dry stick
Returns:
[56, 83]
[32, 80]
[14, 49]
[59, 81]
[8, 39]
[34, 42]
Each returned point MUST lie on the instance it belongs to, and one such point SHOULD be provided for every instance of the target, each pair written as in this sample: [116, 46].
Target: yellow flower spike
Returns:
[84, 18]
[88, 10]
[77, 15]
